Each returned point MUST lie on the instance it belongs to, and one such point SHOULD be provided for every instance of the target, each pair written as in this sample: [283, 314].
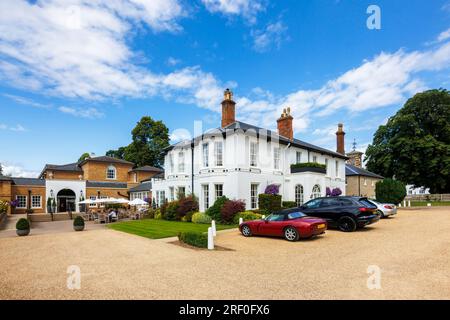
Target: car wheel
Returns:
[347, 224]
[246, 231]
[381, 214]
[291, 234]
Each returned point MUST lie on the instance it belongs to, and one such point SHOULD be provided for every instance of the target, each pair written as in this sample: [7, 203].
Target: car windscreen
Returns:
[275, 217]
[367, 203]
[295, 215]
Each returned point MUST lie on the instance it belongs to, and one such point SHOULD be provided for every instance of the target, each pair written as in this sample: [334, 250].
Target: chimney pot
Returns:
[228, 108]
[284, 124]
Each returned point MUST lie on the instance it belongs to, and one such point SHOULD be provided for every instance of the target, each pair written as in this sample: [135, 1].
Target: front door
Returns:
[62, 205]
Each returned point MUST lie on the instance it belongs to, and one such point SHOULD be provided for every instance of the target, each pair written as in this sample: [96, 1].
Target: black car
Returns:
[344, 213]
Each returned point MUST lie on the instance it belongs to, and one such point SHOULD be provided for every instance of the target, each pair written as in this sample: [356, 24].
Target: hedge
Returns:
[246, 216]
[269, 202]
[289, 204]
[199, 217]
[390, 191]
[196, 239]
[308, 165]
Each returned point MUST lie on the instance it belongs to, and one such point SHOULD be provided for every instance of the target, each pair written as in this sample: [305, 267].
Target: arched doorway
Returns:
[66, 200]
[316, 192]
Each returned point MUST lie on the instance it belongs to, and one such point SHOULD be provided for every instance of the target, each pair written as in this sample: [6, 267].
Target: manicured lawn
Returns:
[157, 229]
[433, 203]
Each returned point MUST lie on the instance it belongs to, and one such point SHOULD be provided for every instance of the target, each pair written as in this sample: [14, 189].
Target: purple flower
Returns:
[14, 203]
[328, 192]
[272, 189]
[148, 200]
[336, 192]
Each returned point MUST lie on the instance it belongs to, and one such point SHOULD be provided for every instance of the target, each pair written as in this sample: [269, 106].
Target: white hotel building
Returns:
[239, 160]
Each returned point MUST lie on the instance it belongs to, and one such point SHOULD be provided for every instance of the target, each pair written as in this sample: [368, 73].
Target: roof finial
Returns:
[228, 95]
[354, 144]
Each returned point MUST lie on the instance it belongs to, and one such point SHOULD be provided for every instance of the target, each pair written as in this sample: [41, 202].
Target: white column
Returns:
[241, 221]
[213, 226]
[210, 239]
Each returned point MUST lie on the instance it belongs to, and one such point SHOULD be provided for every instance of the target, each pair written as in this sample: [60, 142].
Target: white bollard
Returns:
[404, 203]
[409, 203]
[263, 217]
[428, 204]
[241, 221]
[213, 226]
[210, 239]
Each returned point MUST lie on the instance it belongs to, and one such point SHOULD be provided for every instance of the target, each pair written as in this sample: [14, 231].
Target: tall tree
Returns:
[84, 156]
[149, 138]
[1, 170]
[414, 145]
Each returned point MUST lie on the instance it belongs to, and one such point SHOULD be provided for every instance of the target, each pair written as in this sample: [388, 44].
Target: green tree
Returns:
[414, 145]
[390, 191]
[84, 156]
[1, 170]
[149, 138]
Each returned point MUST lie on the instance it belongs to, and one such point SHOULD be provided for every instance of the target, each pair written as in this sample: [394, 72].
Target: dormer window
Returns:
[111, 173]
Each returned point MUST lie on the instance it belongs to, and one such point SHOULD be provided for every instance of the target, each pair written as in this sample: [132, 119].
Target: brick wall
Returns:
[361, 186]
[63, 175]
[5, 192]
[35, 190]
[96, 171]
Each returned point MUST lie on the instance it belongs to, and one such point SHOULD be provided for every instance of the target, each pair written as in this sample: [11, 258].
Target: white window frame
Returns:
[205, 154]
[314, 159]
[33, 198]
[18, 205]
[254, 188]
[299, 195]
[171, 163]
[218, 153]
[205, 195]
[218, 190]
[298, 157]
[112, 169]
[172, 193]
[253, 154]
[179, 190]
[102, 205]
[181, 164]
[276, 158]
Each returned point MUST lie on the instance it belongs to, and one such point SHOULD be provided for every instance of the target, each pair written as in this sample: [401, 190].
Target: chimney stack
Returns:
[228, 108]
[340, 139]
[284, 123]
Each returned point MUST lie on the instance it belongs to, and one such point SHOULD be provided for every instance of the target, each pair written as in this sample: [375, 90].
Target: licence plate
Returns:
[321, 226]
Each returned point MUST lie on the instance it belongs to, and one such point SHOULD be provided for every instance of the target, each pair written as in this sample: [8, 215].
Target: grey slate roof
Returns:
[351, 170]
[106, 184]
[28, 181]
[238, 125]
[148, 169]
[5, 178]
[145, 186]
[105, 159]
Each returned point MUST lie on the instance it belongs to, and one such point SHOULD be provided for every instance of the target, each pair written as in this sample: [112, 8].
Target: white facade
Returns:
[53, 187]
[240, 166]
[411, 190]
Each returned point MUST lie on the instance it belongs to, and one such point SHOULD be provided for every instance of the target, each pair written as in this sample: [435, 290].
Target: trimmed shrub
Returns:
[3, 206]
[171, 210]
[149, 213]
[246, 216]
[289, 204]
[196, 239]
[230, 209]
[261, 212]
[199, 217]
[214, 210]
[158, 215]
[272, 189]
[390, 191]
[187, 205]
[78, 222]
[269, 202]
[308, 165]
[22, 224]
[188, 217]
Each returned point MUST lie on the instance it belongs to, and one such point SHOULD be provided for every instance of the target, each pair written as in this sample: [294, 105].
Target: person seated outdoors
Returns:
[112, 215]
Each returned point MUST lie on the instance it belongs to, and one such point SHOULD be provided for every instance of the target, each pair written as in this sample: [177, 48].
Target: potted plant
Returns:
[23, 227]
[49, 205]
[14, 204]
[78, 223]
[53, 205]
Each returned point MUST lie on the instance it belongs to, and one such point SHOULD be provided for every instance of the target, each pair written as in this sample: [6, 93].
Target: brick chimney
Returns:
[285, 124]
[340, 139]
[228, 108]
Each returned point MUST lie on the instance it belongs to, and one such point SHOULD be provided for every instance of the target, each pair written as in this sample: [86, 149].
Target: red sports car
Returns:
[290, 225]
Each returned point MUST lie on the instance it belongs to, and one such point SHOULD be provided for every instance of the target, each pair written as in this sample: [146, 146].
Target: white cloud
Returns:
[270, 37]
[15, 170]
[171, 61]
[246, 8]
[180, 135]
[26, 101]
[89, 113]
[16, 128]
[444, 35]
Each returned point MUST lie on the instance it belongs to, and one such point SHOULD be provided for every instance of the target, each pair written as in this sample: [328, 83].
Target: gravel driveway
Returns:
[412, 250]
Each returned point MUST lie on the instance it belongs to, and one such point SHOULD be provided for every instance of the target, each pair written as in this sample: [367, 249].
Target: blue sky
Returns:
[76, 76]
